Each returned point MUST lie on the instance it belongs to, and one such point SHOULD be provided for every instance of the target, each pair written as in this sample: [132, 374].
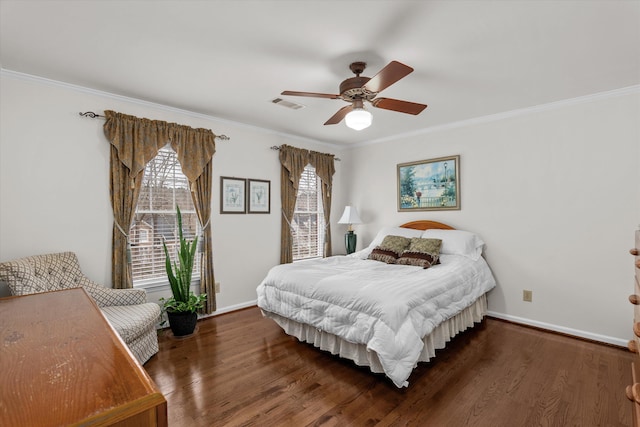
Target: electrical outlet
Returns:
[527, 296]
[217, 287]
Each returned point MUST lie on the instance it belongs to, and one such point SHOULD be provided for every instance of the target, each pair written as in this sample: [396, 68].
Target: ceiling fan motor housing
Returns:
[352, 89]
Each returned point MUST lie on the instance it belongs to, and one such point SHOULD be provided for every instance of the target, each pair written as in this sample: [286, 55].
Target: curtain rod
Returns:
[277, 147]
[93, 115]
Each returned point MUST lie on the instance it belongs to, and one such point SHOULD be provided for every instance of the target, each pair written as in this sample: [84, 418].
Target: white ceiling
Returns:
[228, 59]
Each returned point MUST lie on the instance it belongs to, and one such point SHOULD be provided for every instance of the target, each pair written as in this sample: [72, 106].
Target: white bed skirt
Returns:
[359, 353]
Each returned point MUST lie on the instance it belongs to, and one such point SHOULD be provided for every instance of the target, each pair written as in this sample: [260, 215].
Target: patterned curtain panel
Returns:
[293, 161]
[195, 149]
[325, 168]
[134, 142]
[201, 196]
[125, 190]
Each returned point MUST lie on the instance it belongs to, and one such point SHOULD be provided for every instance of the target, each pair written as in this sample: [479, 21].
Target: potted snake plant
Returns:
[182, 307]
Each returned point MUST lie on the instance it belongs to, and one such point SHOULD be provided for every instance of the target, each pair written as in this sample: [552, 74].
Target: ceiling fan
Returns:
[358, 89]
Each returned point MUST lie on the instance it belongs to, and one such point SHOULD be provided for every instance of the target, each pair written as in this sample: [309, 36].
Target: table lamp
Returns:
[350, 216]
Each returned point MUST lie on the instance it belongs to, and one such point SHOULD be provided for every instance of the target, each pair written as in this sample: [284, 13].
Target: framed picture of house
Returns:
[232, 195]
[432, 184]
[259, 196]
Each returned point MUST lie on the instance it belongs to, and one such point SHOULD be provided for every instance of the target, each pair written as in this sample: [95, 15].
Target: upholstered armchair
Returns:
[127, 311]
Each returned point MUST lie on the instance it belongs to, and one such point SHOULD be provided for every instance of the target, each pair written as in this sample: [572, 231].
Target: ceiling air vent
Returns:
[287, 104]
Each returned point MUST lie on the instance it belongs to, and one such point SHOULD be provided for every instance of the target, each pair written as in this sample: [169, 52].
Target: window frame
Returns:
[161, 282]
[318, 212]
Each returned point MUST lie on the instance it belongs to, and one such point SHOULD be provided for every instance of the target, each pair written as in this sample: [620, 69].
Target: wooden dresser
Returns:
[633, 391]
[63, 364]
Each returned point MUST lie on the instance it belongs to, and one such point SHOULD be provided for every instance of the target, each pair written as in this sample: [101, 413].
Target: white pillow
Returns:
[457, 242]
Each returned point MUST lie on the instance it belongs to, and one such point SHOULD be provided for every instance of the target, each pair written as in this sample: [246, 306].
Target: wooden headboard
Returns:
[426, 225]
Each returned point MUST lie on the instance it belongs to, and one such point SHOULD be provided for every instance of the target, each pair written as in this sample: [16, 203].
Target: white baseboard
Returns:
[569, 331]
[515, 319]
[231, 308]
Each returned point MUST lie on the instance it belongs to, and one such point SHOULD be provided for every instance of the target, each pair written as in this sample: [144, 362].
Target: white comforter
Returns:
[389, 308]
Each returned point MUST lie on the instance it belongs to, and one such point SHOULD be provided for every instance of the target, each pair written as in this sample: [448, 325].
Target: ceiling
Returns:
[229, 59]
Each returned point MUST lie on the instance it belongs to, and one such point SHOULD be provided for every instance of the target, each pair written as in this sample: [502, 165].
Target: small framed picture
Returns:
[427, 185]
[232, 195]
[259, 196]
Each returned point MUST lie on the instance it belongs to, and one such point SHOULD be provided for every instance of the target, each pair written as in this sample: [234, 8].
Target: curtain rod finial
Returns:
[90, 114]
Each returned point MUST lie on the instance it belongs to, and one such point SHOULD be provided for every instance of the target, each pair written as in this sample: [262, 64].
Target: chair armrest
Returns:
[106, 297]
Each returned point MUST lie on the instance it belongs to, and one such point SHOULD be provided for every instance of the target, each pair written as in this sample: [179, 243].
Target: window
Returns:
[143, 236]
[163, 187]
[308, 217]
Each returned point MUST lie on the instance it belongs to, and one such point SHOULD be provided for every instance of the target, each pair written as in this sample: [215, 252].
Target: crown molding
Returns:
[161, 107]
[635, 89]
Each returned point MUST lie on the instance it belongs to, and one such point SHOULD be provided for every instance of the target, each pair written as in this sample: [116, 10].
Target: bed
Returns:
[385, 316]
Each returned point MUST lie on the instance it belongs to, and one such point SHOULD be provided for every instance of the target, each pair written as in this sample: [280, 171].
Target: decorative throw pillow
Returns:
[421, 253]
[394, 231]
[431, 246]
[383, 255]
[390, 249]
[397, 244]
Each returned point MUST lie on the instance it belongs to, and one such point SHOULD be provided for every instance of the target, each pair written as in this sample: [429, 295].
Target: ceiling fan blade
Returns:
[398, 105]
[390, 74]
[337, 117]
[310, 94]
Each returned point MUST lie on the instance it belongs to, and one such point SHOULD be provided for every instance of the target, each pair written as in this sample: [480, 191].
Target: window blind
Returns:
[163, 187]
[308, 217]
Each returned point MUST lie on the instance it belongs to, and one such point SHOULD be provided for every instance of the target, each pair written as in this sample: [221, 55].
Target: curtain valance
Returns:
[293, 161]
[324, 165]
[138, 140]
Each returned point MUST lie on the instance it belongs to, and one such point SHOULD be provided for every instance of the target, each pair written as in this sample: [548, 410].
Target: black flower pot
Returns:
[182, 323]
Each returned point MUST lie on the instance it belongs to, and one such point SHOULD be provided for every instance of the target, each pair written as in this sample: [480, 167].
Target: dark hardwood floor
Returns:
[240, 369]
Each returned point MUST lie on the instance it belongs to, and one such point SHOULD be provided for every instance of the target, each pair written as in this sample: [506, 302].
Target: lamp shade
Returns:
[358, 119]
[350, 216]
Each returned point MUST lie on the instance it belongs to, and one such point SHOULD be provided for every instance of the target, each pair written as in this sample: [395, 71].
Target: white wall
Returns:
[554, 192]
[54, 183]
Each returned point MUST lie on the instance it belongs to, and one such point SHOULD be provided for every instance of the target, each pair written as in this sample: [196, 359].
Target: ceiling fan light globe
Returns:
[358, 119]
